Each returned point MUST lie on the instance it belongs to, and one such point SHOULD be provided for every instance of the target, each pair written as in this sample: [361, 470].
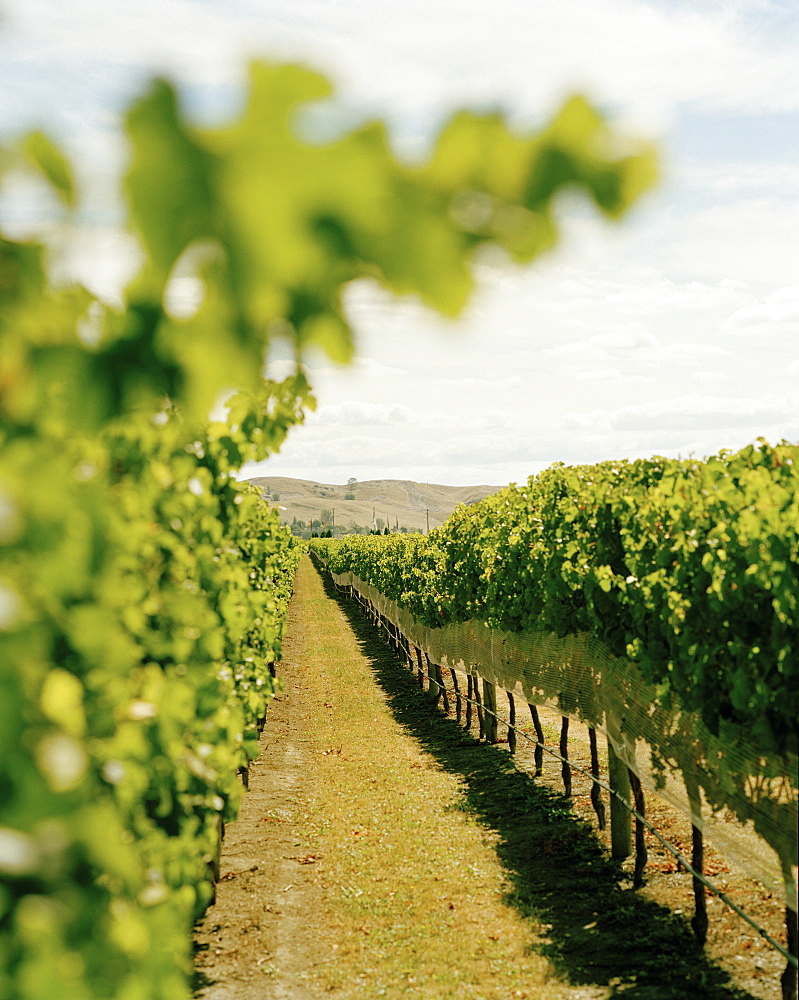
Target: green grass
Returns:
[448, 872]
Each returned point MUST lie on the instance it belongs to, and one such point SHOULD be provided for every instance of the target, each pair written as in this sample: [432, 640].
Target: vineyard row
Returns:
[655, 601]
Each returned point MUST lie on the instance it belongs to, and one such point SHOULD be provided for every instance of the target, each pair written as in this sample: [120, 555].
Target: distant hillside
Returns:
[400, 502]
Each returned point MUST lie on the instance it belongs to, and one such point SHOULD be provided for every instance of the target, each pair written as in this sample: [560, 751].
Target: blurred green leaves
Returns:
[285, 223]
[142, 589]
[54, 166]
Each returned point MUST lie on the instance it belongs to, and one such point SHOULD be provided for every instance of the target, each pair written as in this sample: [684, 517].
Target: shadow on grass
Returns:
[601, 932]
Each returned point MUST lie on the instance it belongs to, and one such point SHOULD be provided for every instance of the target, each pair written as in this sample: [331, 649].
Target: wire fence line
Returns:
[634, 808]
[642, 819]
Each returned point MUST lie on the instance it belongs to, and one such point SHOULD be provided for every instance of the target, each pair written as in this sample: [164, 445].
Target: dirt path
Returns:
[263, 934]
[382, 851]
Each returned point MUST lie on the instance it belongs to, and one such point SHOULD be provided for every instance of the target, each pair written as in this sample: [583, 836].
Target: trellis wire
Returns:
[669, 847]
[482, 708]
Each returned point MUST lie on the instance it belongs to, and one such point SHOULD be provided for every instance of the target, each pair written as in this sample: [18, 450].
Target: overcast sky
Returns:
[676, 332]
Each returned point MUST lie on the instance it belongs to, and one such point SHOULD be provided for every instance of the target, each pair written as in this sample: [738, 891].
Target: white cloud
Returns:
[357, 413]
[470, 382]
[419, 58]
[742, 178]
[752, 240]
[600, 375]
[675, 331]
[629, 339]
[777, 314]
[688, 413]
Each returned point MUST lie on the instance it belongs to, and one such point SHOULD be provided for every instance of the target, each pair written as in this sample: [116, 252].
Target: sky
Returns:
[675, 332]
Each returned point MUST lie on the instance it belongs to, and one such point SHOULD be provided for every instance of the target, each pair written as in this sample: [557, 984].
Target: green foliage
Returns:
[689, 568]
[143, 590]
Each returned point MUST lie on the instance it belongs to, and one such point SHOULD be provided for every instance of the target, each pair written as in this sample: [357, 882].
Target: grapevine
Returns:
[142, 588]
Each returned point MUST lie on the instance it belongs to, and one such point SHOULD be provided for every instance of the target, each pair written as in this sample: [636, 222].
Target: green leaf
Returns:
[48, 159]
[169, 183]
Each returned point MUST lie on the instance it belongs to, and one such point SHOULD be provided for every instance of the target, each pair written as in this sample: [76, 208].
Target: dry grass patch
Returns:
[413, 883]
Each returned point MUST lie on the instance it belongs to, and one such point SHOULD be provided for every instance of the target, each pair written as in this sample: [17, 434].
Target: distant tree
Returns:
[275, 496]
[315, 524]
[326, 516]
[380, 525]
[349, 496]
[351, 481]
[386, 530]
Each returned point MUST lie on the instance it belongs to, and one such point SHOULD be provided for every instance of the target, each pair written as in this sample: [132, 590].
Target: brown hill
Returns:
[396, 502]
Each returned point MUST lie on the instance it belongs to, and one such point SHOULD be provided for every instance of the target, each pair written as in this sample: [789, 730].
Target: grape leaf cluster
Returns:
[689, 568]
[142, 588]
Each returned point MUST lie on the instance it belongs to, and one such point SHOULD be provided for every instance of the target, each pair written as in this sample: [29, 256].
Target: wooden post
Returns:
[596, 791]
[420, 671]
[490, 700]
[539, 735]
[405, 646]
[479, 704]
[457, 694]
[620, 827]
[409, 648]
[699, 919]
[469, 699]
[640, 844]
[565, 770]
[512, 723]
[442, 688]
[432, 684]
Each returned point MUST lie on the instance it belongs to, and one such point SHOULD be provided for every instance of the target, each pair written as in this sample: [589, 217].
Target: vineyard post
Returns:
[699, 923]
[539, 735]
[479, 704]
[620, 826]
[457, 694]
[442, 687]
[640, 843]
[490, 701]
[511, 722]
[596, 794]
[565, 770]
[432, 684]
[406, 647]
[420, 671]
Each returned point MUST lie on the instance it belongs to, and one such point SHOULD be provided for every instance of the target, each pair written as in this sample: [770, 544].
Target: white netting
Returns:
[745, 802]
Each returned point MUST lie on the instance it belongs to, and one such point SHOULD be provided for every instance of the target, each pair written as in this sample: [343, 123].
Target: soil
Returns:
[268, 903]
[752, 964]
[278, 926]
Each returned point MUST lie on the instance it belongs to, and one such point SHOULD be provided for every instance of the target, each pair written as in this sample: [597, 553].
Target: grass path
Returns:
[383, 852]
